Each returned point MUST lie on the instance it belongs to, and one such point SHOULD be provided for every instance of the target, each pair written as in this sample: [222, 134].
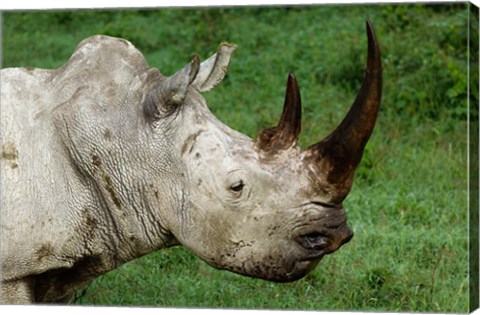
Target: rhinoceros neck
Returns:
[134, 181]
[102, 127]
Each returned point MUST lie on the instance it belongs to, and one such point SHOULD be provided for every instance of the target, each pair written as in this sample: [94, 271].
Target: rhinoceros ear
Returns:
[213, 70]
[170, 92]
[174, 89]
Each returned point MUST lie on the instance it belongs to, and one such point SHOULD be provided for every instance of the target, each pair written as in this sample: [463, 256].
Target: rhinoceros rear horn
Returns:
[336, 157]
[285, 134]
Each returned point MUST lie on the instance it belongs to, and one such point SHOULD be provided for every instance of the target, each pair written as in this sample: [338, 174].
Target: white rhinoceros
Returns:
[105, 160]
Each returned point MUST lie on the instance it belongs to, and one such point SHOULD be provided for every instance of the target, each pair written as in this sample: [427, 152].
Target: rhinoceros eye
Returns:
[237, 187]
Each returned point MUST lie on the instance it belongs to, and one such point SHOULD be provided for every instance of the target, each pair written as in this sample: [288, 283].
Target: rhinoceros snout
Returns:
[320, 243]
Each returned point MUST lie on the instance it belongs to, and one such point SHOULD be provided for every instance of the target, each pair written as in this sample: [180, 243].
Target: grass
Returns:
[408, 207]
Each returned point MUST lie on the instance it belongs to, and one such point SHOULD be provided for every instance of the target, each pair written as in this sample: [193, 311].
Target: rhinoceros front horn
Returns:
[336, 157]
[285, 134]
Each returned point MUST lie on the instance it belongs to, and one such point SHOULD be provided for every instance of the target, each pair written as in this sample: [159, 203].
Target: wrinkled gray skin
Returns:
[105, 160]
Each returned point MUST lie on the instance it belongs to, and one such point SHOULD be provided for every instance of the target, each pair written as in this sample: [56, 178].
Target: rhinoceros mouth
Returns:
[299, 269]
[282, 270]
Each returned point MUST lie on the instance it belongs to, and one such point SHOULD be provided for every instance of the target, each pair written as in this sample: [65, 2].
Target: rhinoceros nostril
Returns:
[315, 241]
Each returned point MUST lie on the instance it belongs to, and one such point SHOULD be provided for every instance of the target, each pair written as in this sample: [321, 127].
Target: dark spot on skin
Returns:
[238, 246]
[96, 160]
[111, 191]
[155, 191]
[107, 134]
[9, 151]
[10, 154]
[190, 142]
[90, 226]
[200, 181]
[197, 155]
[272, 230]
[44, 251]
[90, 221]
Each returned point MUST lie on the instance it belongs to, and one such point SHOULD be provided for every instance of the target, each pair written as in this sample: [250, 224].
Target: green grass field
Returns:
[408, 206]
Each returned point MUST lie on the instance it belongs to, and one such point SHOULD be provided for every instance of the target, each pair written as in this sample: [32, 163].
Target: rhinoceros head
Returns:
[263, 207]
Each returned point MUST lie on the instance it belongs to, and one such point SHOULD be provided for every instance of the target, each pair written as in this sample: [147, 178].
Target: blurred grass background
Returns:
[408, 206]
